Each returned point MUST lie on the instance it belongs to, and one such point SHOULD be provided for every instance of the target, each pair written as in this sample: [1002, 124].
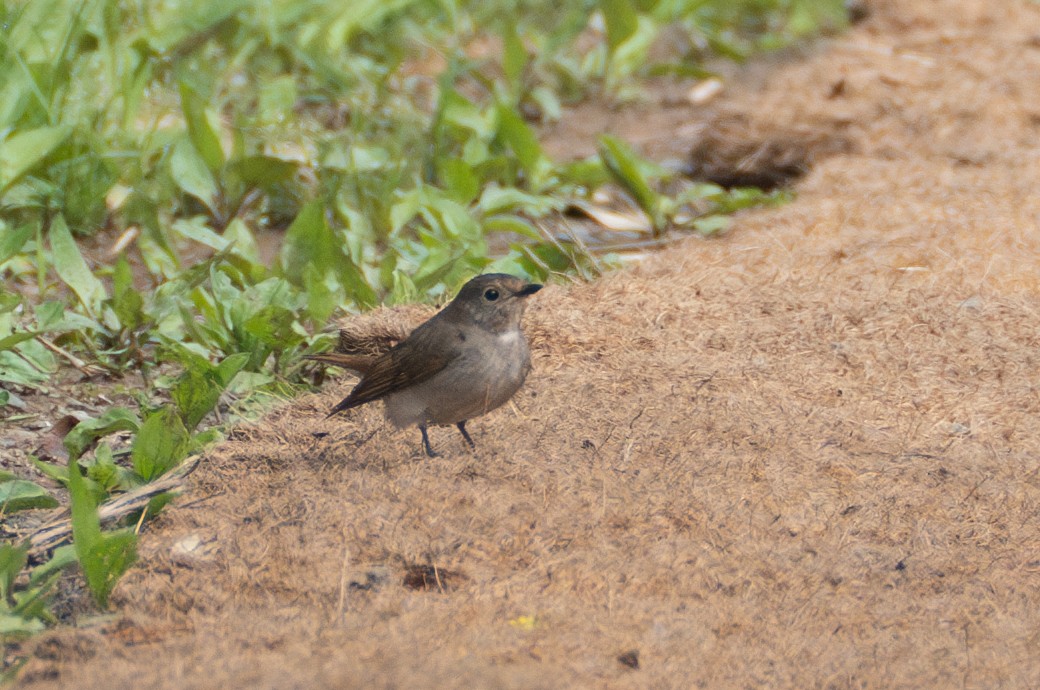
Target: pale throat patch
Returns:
[509, 337]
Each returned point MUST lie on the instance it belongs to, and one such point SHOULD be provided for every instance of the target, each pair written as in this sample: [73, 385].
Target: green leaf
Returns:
[160, 444]
[243, 243]
[201, 130]
[12, 560]
[403, 290]
[86, 432]
[497, 199]
[107, 475]
[623, 166]
[127, 302]
[72, 268]
[458, 179]
[16, 369]
[58, 473]
[262, 171]
[712, 225]
[514, 57]
[103, 558]
[229, 367]
[195, 394]
[21, 494]
[21, 152]
[309, 241]
[513, 224]
[514, 132]
[621, 20]
[322, 294]
[10, 341]
[190, 173]
[14, 625]
[12, 241]
[63, 557]
[631, 54]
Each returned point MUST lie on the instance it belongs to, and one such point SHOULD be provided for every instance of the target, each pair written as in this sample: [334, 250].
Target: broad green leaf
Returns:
[242, 242]
[62, 557]
[621, 19]
[456, 110]
[59, 473]
[12, 560]
[406, 208]
[15, 369]
[9, 302]
[322, 294]
[195, 394]
[21, 494]
[198, 230]
[12, 241]
[458, 179]
[107, 475]
[273, 326]
[201, 129]
[20, 152]
[160, 444]
[497, 199]
[514, 57]
[103, 558]
[10, 341]
[630, 55]
[127, 302]
[513, 224]
[514, 132]
[262, 171]
[72, 268]
[623, 166]
[190, 173]
[86, 432]
[229, 367]
[309, 241]
[277, 99]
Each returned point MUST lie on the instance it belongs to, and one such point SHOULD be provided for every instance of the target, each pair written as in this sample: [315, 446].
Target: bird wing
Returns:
[407, 364]
[358, 363]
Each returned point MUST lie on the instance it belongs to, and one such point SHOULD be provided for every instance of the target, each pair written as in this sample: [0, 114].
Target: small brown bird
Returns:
[464, 362]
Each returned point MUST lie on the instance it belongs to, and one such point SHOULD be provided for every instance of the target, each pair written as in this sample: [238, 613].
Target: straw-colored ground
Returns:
[804, 455]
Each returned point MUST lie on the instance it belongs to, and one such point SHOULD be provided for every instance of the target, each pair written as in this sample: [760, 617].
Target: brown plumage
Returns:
[467, 360]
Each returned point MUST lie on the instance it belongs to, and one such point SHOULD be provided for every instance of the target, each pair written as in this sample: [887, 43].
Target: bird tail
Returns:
[343, 404]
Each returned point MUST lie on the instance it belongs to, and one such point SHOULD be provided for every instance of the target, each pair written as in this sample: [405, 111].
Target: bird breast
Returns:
[488, 370]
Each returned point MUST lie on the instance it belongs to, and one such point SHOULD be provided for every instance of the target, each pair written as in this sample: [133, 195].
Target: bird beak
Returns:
[528, 289]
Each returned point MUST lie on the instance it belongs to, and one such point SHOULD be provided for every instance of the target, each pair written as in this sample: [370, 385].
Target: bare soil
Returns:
[803, 455]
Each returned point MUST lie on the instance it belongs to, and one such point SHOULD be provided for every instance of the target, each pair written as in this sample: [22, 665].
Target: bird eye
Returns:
[491, 294]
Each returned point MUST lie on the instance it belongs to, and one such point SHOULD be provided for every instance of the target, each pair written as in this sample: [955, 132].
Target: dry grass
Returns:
[804, 456]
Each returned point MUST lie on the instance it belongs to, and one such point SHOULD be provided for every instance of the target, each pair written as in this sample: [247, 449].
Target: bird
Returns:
[468, 359]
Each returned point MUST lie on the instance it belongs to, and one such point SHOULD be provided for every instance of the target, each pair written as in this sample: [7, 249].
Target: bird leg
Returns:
[465, 434]
[426, 442]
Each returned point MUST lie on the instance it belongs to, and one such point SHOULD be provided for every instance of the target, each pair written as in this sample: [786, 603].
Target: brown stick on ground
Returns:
[58, 530]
